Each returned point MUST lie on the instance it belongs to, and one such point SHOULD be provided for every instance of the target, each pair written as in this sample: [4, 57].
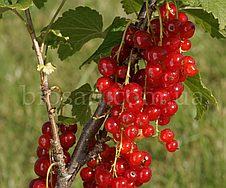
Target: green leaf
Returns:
[191, 3]
[39, 3]
[137, 4]
[218, 8]
[80, 100]
[80, 25]
[17, 4]
[207, 21]
[54, 40]
[202, 96]
[113, 38]
[2, 10]
[66, 120]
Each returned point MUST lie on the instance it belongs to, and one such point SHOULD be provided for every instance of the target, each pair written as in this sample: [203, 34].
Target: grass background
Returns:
[200, 162]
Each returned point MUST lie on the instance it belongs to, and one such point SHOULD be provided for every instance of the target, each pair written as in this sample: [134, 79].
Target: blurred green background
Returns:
[200, 162]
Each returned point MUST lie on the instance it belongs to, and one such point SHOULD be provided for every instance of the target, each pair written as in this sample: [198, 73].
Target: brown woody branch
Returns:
[58, 154]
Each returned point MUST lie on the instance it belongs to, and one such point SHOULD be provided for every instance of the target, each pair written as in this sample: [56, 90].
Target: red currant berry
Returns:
[67, 157]
[87, 174]
[63, 128]
[132, 92]
[135, 106]
[116, 110]
[121, 166]
[139, 77]
[103, 83]
[190, 69]
[73, 128]
[39, 184]
[170, 109]
[188, 59]
[44, 141]
[175, 61]
[121, 71]
[156, 54]
[171, 146]
[177, 90]
[187, 30]
[103, 177]
[170, 76]
[173, 27]
[148, 131]
[163, 120]
[185, 45]
[67, 140]
[126, 146]
[141, 120]
[182, 17]
[155, 23]
[113, 95]
[120, 182]
[142, 39]
[129, 35]
[41, 166]
[161, 97]
[42, 152]
[131, 132]
[106, 152]
[112, 125]
[153, 112]
[136, 157]
[147, 159]
[171, 43]
[144, 175]
[124, 53]
[166, 135]
[32, 182]
[154, 71]
[107, 66]
[46, 128]
[130, 175]
[167, 14]
[127, 117]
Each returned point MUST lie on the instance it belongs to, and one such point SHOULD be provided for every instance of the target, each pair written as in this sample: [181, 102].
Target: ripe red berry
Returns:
[185, 45]
[67, 140]
[166, 135]
[44, 141]
[135, 106]
[126, 146]
[141, 120]
[41, 166]
[139, 77]
[112, 125]
[129, 35]
[136, 157]
[163, 120]
[153, 71]
[142, 39]
[130, 175]
[124, 53]
[177, 90]
[144, 175]
[122, 71]
[46, 128]
[170, 76]
[171, 146]
[106, 152]
[103, 83]
[42, 152]
[87, 174]
[170, 109]
[39, 184]
[116, 110]
[171, 43]
[131, 132]
[173, 27]
[161, 97]
[120, 182]
[187, 30]
[32, 182]
[167, 14]
[190, 69]
[127, 117]
[107, 66]
[156, 54]
[147, 159]
[182, 17]
[113, 95]
[148, 131]
[153, 112]
[132, 92]
[121, 166]
[175, 61]
[103, 177]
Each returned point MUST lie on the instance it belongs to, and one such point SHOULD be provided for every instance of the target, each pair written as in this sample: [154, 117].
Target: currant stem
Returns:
[50, 24]
[48, 172]
[161, 26]
[128, 69]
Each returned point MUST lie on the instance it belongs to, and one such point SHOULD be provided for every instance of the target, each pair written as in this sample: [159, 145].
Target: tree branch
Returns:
[58, 154]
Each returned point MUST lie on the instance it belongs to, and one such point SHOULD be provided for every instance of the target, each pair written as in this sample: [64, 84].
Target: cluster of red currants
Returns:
[130, 169]
[138, 96]
[67, 140]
